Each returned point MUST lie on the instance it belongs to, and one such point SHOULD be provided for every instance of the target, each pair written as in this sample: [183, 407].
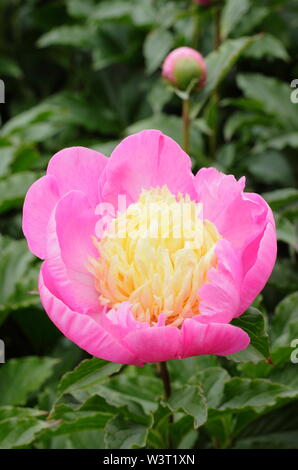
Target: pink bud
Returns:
[182, 66]
[203, 2]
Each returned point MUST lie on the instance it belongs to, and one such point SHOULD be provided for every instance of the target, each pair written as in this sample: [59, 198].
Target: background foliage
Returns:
[87, 73]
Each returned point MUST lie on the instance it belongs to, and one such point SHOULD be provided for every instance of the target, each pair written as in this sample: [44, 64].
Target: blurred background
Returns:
[88, 73]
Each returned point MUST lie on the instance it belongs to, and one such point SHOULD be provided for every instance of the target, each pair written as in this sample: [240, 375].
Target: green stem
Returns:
[217, 20]
[186, 124]
[196, 30]
[165, 377]
[215, 96]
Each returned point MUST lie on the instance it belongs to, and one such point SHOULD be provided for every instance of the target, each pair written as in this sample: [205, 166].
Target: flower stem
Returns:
[186, 123]
[165, 377]
[215, 95]
[217, 21]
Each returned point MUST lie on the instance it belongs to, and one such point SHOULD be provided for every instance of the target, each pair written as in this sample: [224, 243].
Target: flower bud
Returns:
[203, 2]
[183, 66]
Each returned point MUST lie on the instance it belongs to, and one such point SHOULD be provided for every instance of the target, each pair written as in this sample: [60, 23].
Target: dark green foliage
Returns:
[88, 73]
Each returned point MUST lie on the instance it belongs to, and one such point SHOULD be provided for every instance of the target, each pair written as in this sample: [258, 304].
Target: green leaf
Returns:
[112, 10]
[233, 12]
[284, 327]
[124, 433]
[89, 373]
[20, 377]
[258, 395]
[191, 400]
[280, 142]
[276, 430]
[113, 46]
[219, 63]
[182, 370]
[159, 95]
[240, 119]
[19, 432]
[268, 46]
[76, 36]
[90, 439]
[280, 198]
[273, 95]
[252, 321]
[183, 433]
[212, 380]
[7, 412]
[79, 9]
[122, 391]
[270, 167]
[7, 153]
[15, 276]
[287, 231]
[156, 46]
[76, 421]
[13, 189]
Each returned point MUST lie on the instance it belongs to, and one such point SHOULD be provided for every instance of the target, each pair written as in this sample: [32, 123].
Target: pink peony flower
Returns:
[132, 285]
[182, 66]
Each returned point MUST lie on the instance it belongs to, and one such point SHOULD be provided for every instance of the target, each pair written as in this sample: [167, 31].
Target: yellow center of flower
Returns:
[156, 255]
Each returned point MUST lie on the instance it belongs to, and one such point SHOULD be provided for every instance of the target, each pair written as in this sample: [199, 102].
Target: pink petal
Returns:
[69, 246]
[78, 168]
[82, 329]
[220, 295]
[256, 278]
[39, 202]
[148, 343]
[144, 160]
[239, 218]
[156, 343]
[71, 168]
[212, 338]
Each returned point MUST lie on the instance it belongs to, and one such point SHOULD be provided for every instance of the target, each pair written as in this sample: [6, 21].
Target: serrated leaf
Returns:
[19, 432]
[123, 433]
[258, 395]
[89, 373]
[125, 391]
[7, 412]
[192, 401]
[212, 380]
